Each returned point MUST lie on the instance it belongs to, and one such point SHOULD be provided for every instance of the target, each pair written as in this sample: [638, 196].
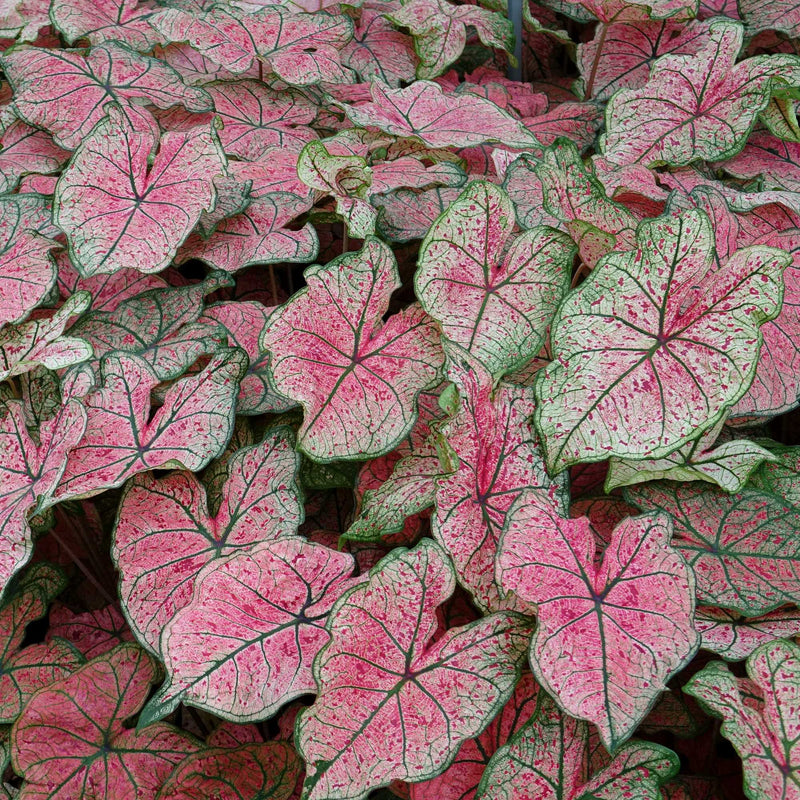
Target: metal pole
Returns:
[515, 15]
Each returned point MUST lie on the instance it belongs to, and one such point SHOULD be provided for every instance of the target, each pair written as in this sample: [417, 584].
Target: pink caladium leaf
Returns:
[735, 637]
[367, 375]
[439, 29]
[274, 171]
[29, 473]
[25, 150]
[71, 741]
[379, 52]
[549, 759]
[165, 535]
[424, 111]
[300, 48]
[742, 548]
[67, 94]
[610, 636]
[767, 157]
[496, 457]
[100, 20]
[195, 69]
[460, 780]
[259, 235]
[622, 59]
[728, 465]
[392, 703]
[610, 11]
[26, 669]
[783, 16]
[693, 107]
[39, 342]
[118, 211]
[406, 214]
[658, 313]
[493, 299]
[189, 429]
[244, 645]
[764, 734]
[91, 632]
[267, 770]
[24, 19]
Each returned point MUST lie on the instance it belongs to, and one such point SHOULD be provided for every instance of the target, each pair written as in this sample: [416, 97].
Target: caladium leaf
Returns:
[693, 107]
[367, 376]
[743, 548]
[267, 770]
[658, 313]
[300, 48]
[549, 759]
[439, 29]
[274, 171]
[728, 465]
[493, 299]
[29, 473]
[259, 235]
[101, 20]
[609, 11]
[783, 16]
[70, 740]
[763, 734]
[164, 533]
[424, 111]
[27, 149]
[408, 214]
[119, 211]
[496, 458]
[189, 429]
[769, 158]
[735, 637]
[414, 700]
[67, 94]
[379, 51]
[244, 645]
[26, 669]
[609, 636]
[91, 632]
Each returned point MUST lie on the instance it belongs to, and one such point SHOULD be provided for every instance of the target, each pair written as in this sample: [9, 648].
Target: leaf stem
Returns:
[601, 40]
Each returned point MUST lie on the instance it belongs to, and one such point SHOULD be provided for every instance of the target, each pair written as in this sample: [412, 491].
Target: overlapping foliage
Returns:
[373, 424]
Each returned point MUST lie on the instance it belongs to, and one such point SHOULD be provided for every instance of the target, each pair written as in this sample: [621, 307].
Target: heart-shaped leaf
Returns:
[101, 20]
[165, 535]
[92, 632]
[118, 210]
[639, 327]
[25, 150]
[70, 740]
[189, 429]
[244, 645]
[493, 299]
[67, 94]
[379, 51]
[609, 636]
[367, 375]
[392, 703]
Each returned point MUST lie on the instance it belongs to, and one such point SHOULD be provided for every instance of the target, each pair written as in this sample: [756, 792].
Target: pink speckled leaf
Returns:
[496, 457]
[392, 703]
[776, 15]
[490, 295]
[765, 734]
[623, 58]
[25, 150]
[356, 378]
[769, 158]
[118, 210]
[693, 107]
[424, 111]
[655, 345]
[71, 740]
[67, 94]
[93, 632]
[609, 636]
[274, 171]
[734, 637]
[439, 29]
[23, 670]
[100, 20]
[610, 11]
[408, 214]
[379, 51]
[259, 235]
[244, 645]
[550, 759]
[189, 429]
[300, 48]
[255, 771]
[29, 472]
[743, 548]
[164, 533]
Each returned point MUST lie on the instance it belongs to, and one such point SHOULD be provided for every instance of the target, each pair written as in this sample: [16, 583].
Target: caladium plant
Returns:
[399, 399]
